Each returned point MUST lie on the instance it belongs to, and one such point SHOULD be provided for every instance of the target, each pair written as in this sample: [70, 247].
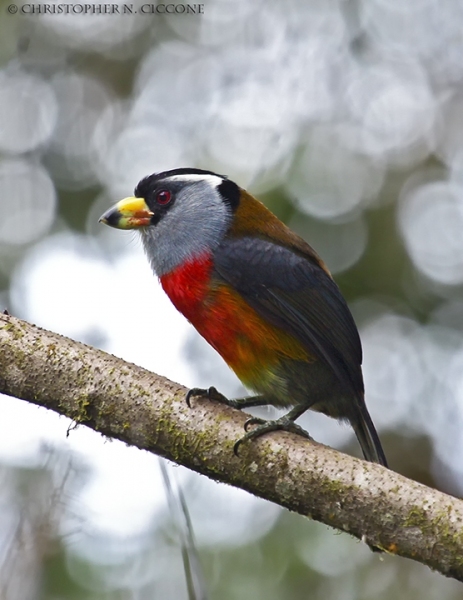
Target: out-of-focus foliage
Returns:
[346, 118]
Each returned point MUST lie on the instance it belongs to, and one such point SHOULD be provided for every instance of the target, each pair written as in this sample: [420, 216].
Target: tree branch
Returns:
[129, 403]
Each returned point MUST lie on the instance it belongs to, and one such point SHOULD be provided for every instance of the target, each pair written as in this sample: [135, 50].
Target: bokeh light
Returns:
[431, 221]
[28, 201]
[28, 112]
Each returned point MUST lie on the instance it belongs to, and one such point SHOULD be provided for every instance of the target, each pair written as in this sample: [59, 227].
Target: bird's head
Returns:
[180, 214]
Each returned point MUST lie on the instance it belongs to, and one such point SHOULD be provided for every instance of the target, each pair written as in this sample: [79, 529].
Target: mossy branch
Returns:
[126, 402]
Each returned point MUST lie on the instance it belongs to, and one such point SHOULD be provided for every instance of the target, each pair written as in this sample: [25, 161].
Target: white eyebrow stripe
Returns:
[213, 180]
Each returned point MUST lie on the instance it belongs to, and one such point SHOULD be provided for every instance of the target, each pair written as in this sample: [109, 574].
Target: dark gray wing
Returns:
[293, 292]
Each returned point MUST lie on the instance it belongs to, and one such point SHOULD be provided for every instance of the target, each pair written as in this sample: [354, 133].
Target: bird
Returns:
[259, 294]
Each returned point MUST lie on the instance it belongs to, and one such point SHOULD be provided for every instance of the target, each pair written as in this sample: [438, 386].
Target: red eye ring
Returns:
[163, 197]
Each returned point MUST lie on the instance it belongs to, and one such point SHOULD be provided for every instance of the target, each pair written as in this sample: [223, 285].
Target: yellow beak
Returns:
[129, 213]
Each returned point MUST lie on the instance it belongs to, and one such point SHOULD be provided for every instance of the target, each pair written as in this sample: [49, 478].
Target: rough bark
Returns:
[146, 410]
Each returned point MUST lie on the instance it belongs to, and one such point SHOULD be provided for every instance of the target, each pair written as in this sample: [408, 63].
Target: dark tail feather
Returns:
[368, 438]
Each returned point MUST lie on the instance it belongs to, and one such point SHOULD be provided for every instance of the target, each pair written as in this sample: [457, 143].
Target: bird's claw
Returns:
[253, 421]
[284, 423]
[281, 424]
[210, 393]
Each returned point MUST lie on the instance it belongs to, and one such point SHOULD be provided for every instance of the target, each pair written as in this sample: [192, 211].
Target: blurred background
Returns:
[346, 119]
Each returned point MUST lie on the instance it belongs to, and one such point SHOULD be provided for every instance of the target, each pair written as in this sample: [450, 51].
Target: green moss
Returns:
[15, 330]
[82, 403]
[141, 391]
[436, 527]
[417, 517]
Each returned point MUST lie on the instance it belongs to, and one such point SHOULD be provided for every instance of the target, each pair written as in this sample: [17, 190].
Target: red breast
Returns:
[248, 344]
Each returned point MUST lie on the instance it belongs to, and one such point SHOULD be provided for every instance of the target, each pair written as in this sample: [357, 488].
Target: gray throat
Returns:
[195, 225]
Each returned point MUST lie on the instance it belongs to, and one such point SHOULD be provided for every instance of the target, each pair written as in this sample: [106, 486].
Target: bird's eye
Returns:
[163, 197]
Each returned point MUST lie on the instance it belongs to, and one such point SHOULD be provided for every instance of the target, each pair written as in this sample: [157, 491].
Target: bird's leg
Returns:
[238, 403]
[284, 423]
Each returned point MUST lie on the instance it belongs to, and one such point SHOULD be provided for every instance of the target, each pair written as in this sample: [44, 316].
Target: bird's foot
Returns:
[210, 393]
[239, 403]
[284, 423]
